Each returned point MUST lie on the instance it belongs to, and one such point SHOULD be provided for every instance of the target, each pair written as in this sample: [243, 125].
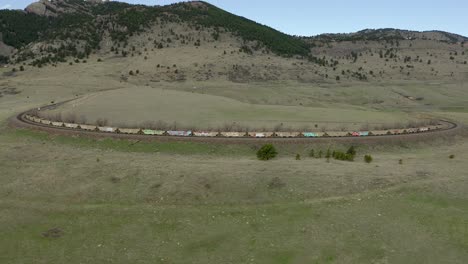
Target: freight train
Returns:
[228, 134]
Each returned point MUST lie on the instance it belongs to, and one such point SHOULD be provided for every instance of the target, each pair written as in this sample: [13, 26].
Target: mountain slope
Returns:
[59, 19]
[198, 41]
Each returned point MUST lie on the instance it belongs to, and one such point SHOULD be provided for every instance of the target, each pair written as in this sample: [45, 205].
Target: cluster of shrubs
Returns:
[338, 155]
[268, 152]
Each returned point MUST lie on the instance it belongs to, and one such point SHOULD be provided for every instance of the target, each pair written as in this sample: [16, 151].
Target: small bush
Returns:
[298, 157]
[400, 162]
[267, 152]
[311, 153]
[452, 156]
[368, 158]
[338, 155]
[351, 151]
[328, 155]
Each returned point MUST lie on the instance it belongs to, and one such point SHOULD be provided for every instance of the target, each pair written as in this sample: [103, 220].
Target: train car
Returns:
[379, 132]
[45, 121]
[232, 134]
[88, 127]
[32, 118]
[180, 133]
[205, 134]
[364, 133]
[355, 134]
[57, 124]
[153, 132]
[334, 134]
[129, 130]
[106, 129]
[260, 134]
[288, 134]
[423, 129]
[70, 125]
[309, 134]
[36, 119]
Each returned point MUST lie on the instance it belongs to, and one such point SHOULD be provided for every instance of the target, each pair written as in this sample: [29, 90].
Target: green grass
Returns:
[122, 205]
[346, 231]
[209, 112]
[181, 148]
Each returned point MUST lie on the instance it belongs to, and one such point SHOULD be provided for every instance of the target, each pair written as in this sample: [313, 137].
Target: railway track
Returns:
[19, 121]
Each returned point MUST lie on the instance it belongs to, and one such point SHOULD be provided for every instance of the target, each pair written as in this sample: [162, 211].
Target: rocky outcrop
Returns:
[42, 8]
[57, 7]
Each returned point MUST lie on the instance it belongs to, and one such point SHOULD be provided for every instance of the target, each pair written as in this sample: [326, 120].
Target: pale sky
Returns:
[308, 17]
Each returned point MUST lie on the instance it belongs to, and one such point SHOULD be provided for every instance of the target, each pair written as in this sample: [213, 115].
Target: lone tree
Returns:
[267, 152]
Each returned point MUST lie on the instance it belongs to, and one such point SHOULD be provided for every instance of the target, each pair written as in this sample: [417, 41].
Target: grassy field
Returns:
[76, 200]
[140, 105]
[112, 206]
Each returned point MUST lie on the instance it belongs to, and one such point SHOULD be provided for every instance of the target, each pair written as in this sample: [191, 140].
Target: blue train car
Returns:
[309, 134]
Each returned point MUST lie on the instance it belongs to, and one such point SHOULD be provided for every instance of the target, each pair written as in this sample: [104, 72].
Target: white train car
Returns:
[205, 134]
[423, 129]
[180, 133]
[36, 119]
[70, 125]
[129, 130]
[57, 124]
[260, 134]
[45, 122]
[288, 134]
[88, 127]
[232, 134]
[106, 129]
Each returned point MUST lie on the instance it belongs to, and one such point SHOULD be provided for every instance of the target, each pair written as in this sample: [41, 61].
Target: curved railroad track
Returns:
[19, 121]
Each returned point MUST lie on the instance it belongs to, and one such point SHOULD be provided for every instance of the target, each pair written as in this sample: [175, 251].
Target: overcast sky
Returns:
[308, 17]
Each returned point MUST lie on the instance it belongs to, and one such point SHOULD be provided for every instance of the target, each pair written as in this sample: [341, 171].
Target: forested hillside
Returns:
[121, 21]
